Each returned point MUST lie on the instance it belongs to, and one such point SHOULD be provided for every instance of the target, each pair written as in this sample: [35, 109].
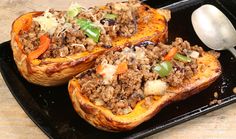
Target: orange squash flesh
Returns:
[56, 71]
[209, 70]
[44, 45]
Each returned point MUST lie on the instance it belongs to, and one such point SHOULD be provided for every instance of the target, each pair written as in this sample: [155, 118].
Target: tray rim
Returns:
[144, 133]
[17, 98]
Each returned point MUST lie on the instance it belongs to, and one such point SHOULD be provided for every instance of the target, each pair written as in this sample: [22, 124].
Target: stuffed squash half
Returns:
[51, 47]
[129, 87]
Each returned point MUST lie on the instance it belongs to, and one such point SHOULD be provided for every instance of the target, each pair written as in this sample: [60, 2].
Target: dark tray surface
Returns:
[50, 107]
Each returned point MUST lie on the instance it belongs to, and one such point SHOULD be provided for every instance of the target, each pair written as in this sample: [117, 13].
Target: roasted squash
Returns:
[56, 71]
[208, 71]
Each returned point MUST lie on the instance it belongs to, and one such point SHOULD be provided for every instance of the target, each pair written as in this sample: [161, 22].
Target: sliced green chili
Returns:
[182, 58]
[111, 16]
[83, 23]
[91, 31]
[164, 68]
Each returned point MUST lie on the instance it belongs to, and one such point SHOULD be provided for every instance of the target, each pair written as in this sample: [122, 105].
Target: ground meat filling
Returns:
[68, 38]
[120, 90]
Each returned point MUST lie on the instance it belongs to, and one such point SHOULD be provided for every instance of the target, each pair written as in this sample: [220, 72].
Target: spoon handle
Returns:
[233, 51]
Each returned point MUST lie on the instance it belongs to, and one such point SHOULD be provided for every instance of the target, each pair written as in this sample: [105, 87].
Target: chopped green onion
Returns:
[72, 13]
[83, 23]
[194, 54]
[164, 68]
[74, 10]
[110, 16]
[182, 58]
[91, 31]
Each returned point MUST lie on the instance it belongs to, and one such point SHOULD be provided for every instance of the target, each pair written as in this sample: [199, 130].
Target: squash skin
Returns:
[56, 71]
[209, 70]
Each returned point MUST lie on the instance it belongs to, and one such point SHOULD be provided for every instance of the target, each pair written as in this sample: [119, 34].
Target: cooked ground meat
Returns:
[107, 85]
[69, 38]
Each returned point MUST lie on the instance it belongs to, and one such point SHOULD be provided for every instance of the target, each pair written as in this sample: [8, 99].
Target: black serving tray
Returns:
[50, 107]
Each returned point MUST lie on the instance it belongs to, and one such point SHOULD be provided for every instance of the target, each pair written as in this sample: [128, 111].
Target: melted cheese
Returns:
[62, 29]
[155, 87]
[48, 22]
[140, 53]
[108, 72]
[194, 54]
[76, 44]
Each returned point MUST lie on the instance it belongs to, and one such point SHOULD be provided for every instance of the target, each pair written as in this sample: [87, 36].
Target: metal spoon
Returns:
[214, 28]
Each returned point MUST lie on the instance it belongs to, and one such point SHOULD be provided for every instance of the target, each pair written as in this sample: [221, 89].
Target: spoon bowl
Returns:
[213, 28]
